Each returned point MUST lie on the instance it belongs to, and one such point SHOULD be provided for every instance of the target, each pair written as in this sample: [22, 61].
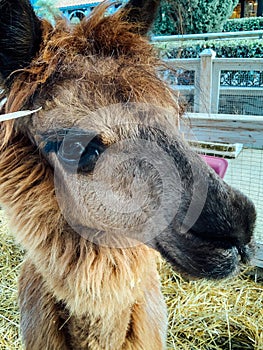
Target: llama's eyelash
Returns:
[52, 146]
[52, 140]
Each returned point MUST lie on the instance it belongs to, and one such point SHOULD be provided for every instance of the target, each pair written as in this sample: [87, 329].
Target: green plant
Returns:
[246, 48]
[164, 23]
[193, 16]
[243, 24]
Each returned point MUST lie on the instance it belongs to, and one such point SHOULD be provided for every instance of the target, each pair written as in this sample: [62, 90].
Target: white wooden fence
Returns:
[207, 70]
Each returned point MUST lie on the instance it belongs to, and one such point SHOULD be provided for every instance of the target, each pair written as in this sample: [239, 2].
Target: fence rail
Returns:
[228, 128]
[209, 36]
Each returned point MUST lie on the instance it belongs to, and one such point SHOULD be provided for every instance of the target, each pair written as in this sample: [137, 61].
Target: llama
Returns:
[96, 181]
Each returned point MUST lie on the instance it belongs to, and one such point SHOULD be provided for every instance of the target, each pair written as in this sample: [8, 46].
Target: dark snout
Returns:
[220, 237]
[228, 218]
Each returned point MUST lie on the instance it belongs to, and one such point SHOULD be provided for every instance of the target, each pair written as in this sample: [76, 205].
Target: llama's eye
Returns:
[71, 150]
[90, 156]
[77, 150]
[80, 152]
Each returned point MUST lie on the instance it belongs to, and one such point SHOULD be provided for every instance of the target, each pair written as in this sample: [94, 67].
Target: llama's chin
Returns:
[189, 269]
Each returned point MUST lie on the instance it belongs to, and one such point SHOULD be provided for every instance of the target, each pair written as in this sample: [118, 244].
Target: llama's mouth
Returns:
[245, 251]
[199, 258]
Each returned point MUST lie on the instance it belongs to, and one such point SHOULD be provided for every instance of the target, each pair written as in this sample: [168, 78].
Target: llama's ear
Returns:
[20, 35]
[142, 12]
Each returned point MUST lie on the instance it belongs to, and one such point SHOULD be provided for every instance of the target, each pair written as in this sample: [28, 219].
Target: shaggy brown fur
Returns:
[73, 293]
[106, 292]
[112, 308]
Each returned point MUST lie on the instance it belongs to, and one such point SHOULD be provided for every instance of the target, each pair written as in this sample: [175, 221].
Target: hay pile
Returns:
[10, 260]
[206, 315]
[203, 315]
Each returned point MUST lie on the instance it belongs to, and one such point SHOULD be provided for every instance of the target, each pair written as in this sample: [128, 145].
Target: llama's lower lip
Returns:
[223, 258]
[245, 251]
[213, 273]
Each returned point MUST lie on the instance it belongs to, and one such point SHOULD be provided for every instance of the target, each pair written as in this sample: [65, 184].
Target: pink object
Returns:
[218, 164]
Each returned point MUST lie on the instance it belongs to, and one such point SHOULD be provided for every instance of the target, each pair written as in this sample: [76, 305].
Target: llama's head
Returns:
[108, 130]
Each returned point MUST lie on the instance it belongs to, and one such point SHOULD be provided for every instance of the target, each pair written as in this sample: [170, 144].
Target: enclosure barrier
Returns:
[218, 85]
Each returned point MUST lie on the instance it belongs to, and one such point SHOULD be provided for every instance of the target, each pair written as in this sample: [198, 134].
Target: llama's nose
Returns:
[243, 216]
[227, 219]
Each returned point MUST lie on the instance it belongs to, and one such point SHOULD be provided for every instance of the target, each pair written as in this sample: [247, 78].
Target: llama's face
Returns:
[125, 182]
[122, 173]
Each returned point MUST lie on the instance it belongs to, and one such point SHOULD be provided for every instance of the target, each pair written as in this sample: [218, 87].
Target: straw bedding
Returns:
[202, 314]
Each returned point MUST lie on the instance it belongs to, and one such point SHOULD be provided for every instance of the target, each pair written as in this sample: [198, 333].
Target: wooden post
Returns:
[206, 69]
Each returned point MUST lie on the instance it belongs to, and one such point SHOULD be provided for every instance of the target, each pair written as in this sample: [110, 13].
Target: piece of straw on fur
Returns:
[203, 315]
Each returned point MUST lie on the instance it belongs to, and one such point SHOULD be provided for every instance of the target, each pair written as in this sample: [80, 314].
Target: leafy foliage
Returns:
[193, 16]
[164, 23]
[246, 48]
[243, 24]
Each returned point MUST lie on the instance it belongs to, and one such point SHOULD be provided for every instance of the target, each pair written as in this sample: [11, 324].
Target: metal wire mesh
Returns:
[240, 104]
[178, 76]
[246, 171]
[241, 92]
[241, 78]
[246, 174]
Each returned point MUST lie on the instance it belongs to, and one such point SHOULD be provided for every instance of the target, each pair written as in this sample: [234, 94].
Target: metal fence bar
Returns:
[209, 36]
